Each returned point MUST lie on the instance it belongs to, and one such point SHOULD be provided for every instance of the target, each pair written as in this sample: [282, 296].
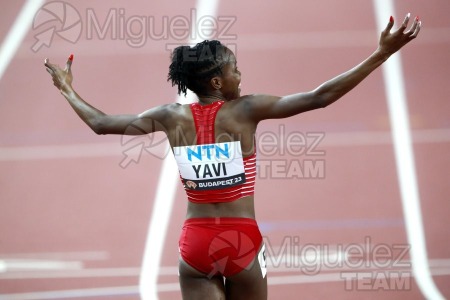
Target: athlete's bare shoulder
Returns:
[178, 113]
[250, 100]
[243, 107]
[174, 110]
[240, 102]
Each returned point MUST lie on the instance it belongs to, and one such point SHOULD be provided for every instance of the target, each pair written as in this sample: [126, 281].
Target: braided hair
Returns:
[192, 67]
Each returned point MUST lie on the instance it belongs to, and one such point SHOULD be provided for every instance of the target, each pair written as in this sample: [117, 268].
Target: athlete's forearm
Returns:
[337, 87]
[89, 114]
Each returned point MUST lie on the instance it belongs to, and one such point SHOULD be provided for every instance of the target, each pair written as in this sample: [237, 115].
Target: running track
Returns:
[73, 222]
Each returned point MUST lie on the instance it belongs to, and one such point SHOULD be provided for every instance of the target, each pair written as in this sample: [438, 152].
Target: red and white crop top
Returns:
[214, 172]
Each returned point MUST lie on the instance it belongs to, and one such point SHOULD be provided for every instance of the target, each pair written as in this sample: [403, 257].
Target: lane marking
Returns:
[296, 225]
[437, 265]
[63, 294]
[337, 139]
[71, 273]
[46, 152]
[79, 273]
[404, 157]
[166, 190]
[11, 265]
[329, 277]
[17, 33]
[174, 287]
[84, 256]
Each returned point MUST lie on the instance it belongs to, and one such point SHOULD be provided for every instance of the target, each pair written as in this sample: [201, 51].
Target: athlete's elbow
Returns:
[321, 100]
[325, 99]
[321, 103]
[99, 131]
[98, 126]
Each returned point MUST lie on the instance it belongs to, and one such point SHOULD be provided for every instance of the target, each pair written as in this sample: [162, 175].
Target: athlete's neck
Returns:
[208, 99]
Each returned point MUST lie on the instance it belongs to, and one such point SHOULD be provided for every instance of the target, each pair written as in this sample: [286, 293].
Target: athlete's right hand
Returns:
[62, 79]
[391, 42]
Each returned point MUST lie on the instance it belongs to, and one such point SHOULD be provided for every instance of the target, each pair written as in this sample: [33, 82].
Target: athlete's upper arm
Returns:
[261, 107]
[149, 121]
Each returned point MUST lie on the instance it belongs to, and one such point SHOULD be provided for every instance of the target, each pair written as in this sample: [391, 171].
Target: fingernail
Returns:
[408, 15]
[71, 57]
[391, 19]
[417, 18]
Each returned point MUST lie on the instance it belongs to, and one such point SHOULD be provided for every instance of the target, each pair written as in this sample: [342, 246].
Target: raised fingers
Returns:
[415, 28]
[50, 68]
[405, 22]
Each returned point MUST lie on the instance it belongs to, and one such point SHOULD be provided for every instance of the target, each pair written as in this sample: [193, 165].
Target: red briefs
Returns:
[220, 246]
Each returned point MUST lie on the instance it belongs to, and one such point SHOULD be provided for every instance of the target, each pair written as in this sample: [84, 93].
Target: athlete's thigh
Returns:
[251, 283]
[197, 286]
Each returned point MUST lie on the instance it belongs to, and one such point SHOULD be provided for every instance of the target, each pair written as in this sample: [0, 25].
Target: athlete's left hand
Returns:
[62, 79]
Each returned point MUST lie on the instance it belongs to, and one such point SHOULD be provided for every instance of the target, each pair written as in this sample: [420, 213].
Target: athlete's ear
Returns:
[216, 83]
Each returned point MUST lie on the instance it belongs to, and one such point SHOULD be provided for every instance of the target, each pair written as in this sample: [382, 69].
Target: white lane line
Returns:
[60, 151]
[12, 265]
[166, 189]
[398, 112]
[174, 287]
[64, 294]
[74, 151]
[314, 258]
[340, 276]
[338, 139]
[81, 273]
[368, 138]
[83, 256]
[285, 264]
[157, 230]
[74, 273]
[17, 33]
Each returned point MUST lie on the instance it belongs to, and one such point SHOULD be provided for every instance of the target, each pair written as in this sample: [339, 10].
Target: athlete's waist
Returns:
[220, 221]
[240, 208]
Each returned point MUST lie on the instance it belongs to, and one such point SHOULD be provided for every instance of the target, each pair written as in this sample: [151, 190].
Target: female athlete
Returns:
[221, 248]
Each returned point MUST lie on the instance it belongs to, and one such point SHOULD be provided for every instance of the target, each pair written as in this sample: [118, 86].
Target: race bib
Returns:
[211, 166]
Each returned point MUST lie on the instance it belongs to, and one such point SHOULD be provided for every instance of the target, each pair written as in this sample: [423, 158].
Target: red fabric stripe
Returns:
[204, 119]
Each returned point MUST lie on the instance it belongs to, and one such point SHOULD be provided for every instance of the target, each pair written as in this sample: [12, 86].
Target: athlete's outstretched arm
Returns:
[101, 123]
[261, 107]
